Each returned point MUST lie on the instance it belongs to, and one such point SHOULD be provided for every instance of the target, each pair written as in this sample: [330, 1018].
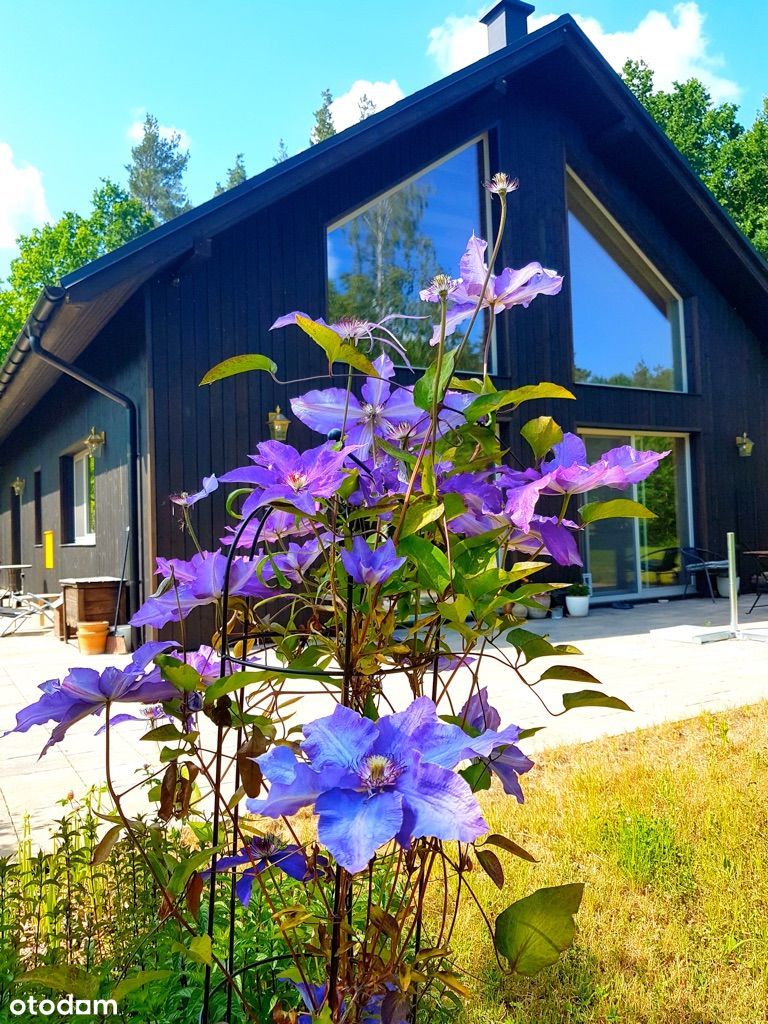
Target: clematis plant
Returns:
[363, 593]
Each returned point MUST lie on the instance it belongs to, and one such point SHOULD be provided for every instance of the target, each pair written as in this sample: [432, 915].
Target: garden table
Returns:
[8, 590]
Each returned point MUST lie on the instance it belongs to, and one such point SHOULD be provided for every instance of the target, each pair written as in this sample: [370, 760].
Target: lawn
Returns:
[668, 828]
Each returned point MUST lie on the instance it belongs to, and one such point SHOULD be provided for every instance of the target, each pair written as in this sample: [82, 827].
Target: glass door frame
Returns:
[644, 592]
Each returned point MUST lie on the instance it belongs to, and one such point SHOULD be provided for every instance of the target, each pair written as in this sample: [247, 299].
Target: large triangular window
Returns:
[627, 318]
[380, 256]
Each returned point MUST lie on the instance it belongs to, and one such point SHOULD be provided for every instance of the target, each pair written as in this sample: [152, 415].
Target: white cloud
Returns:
[345, 109]
[457, 42]
[674, 44]
[135, 132]
[22, 198]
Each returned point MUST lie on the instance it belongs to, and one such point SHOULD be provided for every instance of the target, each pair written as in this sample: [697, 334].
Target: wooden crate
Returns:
[91, 600]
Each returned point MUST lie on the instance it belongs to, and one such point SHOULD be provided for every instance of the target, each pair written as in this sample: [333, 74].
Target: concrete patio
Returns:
[661, 679]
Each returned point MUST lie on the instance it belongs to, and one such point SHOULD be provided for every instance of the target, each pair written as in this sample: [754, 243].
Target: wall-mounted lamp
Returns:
[278, 425]
[745, 445]
[18, 486]
[95, 441]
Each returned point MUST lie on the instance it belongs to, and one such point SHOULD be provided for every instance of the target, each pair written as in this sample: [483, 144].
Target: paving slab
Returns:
[661, 679]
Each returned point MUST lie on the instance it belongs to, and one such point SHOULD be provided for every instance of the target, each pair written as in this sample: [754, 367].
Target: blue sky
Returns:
[238, 76]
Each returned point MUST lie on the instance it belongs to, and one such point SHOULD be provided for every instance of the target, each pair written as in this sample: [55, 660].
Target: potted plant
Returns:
[577, 600]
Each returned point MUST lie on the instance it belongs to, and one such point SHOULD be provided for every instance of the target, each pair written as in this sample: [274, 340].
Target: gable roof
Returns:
[584, 85]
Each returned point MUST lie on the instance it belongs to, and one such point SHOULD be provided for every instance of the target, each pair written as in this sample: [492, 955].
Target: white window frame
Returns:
[81, 463]
[648, 592]
[654, 271]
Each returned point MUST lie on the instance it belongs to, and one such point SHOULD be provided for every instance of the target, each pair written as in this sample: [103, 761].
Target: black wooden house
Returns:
[660, 327]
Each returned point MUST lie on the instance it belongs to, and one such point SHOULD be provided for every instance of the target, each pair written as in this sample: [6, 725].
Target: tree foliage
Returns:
[236, 175]
[47, 254]
[730, 159]
[156, 172]
[323, 127]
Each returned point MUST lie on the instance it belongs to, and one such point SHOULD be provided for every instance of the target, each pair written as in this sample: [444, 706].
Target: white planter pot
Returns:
[577, 606]
[722, 586]
[543, 601]
[520, 611]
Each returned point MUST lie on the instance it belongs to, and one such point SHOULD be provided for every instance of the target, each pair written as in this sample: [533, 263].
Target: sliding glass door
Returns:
[637, 557]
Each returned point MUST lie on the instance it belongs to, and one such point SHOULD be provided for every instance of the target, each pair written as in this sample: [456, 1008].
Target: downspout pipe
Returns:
[46, 305]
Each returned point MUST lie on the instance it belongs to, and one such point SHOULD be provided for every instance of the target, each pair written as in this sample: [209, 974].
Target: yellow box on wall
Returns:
[48, 549]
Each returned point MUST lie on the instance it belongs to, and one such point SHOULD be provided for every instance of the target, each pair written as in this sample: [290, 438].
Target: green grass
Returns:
[669, 829]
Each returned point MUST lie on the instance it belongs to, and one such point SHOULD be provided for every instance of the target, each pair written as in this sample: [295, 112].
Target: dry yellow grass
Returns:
[668, 828]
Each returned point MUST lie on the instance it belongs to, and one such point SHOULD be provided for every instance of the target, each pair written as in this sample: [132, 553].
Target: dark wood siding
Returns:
[274, 262]
[52, 432]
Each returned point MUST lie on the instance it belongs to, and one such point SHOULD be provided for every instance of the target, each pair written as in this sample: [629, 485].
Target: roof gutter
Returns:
[47, 303]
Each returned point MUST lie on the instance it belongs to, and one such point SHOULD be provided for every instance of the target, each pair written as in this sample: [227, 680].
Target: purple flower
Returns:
[508, 762]
[371, 566]
[371, 782]
[382, 412]
[353, 330]
[200, 581]
[277, 526]
[84, 691]
[507, 289]
[314, 996]
[281, 474]
[261, 853]
[210, 483]
[568, 471]
[294, 562]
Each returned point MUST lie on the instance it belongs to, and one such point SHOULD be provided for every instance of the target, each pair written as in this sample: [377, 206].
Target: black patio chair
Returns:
[697, 560]
[760, 579]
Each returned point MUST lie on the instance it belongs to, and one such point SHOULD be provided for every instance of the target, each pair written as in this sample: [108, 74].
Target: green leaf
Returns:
[491, 865]
[477, 776]
[107, 841]
[571, 673]
[239, 364]
[200, 949]
[534, 931]
[541, 434]
[163, 733]
[424, 388]
[593, 699]
[486, 404]
[63, 978]
[504, 843]
[530, 645]
[234, 682]
[431, 563]
[618, 508]
[348, 354]
[336, 350]
[177, 672]
[420, 513]
[137, 981]
[182, 871]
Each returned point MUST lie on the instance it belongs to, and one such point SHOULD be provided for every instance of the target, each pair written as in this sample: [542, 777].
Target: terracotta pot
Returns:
[92, 637]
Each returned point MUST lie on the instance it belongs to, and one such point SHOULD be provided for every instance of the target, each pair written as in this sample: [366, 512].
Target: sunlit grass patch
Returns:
[668, 828]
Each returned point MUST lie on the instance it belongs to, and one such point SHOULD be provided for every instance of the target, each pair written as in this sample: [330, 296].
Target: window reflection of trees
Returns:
[391, 257]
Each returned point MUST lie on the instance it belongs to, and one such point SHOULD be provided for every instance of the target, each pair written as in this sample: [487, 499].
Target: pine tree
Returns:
[236, 175]
[282, 153]
[156, 172]
[324, 127]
